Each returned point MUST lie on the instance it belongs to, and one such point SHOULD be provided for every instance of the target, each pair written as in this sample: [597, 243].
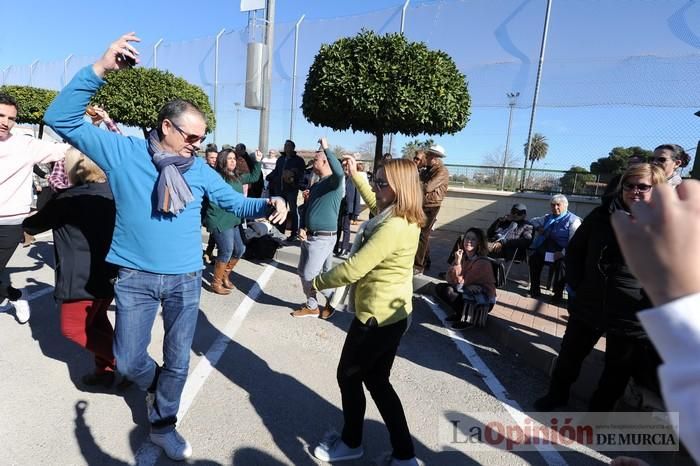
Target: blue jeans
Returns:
[316, 256]
[138, 296]
[229, 244]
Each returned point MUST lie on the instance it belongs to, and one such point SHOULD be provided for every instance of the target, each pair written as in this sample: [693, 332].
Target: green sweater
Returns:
[218, 219]
[325, 196]
[382, 269]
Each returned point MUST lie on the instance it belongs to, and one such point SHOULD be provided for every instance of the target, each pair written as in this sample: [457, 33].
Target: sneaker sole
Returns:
[302, 316]
[321, 455]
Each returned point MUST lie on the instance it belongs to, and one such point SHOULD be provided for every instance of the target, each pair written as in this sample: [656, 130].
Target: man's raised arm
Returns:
[65, 114]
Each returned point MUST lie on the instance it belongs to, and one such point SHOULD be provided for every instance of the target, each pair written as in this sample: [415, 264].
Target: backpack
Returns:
[499, 270]
[262, 248]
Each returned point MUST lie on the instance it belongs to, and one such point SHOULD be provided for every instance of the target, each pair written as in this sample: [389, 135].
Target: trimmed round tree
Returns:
[134, 96]
[32, 102]
[383, 85]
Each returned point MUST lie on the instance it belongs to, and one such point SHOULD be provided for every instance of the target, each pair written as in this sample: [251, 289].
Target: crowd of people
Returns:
[126, 216]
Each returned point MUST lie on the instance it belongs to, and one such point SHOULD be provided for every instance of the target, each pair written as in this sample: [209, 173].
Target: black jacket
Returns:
[607, 295]
[288, 175]
[82, 218]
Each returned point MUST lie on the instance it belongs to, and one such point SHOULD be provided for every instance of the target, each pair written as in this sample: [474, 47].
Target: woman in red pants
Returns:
[82, 220]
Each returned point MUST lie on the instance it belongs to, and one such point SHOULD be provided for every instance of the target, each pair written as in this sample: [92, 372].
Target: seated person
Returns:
[510, 232]
[554, 231]
[469, 279]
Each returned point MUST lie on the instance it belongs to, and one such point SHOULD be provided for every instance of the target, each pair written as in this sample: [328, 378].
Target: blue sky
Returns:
[616, 73]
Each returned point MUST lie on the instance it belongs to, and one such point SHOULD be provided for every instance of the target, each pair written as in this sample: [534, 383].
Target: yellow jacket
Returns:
[382, 268]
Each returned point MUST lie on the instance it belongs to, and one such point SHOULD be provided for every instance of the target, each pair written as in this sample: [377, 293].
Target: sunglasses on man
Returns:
[189, 138]
[518, 212]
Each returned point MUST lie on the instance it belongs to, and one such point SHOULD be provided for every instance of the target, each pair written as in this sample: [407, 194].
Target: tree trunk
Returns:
[378, 147]
[41, 130]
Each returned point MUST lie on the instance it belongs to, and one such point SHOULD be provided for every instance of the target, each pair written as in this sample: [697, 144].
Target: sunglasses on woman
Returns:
[379, 183]
[641, 187]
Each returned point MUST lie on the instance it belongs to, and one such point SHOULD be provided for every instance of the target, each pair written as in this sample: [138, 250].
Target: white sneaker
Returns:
[173, 444]
[22, 310]
[332, 448]
[5, 305]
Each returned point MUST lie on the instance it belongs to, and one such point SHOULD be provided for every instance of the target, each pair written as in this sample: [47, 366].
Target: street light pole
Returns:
[512, 100]
[238, 116]
[267, 76]
[536, 94]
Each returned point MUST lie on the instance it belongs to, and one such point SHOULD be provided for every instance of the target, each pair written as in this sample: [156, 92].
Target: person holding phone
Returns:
[158, 186]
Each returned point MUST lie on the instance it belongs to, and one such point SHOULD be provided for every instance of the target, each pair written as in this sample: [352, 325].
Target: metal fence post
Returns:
[216, 74]
[31, 71]
[155, 53]
[294, 77]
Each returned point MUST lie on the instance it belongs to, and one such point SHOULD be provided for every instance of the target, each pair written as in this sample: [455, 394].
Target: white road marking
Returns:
[550, 456]
[148, 453]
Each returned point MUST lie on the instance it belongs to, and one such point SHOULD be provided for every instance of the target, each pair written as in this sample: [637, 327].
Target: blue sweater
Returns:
[143, 239]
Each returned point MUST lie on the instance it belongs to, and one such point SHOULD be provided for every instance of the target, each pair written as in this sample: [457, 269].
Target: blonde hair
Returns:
[642, 170]
[402, 176]
[80, 169]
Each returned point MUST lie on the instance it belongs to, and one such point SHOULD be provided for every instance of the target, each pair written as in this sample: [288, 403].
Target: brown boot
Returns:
[217, 282]
[229, 267]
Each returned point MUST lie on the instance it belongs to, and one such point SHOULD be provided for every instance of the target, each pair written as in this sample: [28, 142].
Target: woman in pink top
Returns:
[470, 279]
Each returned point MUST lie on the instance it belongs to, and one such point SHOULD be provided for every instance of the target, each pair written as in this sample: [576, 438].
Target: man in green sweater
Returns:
[321, 222]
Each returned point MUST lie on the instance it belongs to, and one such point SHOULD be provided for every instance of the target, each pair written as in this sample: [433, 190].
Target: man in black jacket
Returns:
[285, 180]
[509, 233]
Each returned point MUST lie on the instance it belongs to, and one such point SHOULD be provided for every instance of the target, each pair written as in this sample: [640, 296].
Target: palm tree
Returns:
[538, 152]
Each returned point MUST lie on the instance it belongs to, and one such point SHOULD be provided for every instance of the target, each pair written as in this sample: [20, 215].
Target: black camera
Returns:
[129, 61]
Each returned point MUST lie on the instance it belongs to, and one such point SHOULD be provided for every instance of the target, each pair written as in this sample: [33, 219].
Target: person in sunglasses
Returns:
[379, 272]
[158, 185]
[604, 298]
[510, 233]
[671, 158]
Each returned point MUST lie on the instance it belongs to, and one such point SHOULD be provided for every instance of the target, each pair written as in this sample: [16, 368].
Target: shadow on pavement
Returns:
[285, 406]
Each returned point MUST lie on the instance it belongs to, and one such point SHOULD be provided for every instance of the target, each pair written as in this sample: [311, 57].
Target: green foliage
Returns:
[540, 147]
[32, 102]
[134, 96]
[575, 179]
[410, 149]
[616, 161]
[385, 84]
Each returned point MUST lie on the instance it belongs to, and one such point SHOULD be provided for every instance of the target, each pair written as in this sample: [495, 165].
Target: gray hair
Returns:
[559, 199]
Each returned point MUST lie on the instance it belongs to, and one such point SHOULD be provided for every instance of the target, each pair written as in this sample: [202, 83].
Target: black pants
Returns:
[422, 259]
[579, 340]
[367, 357]
[10, 237]
[557, 269]
[625, 357]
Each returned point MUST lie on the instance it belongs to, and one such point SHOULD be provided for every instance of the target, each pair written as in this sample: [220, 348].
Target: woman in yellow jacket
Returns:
[380, 270]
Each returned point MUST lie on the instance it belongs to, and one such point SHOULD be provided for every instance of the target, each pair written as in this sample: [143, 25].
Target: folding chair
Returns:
[518, 258]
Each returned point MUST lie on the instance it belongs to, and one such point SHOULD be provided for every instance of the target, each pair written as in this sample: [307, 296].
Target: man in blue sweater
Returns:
[322, 203]
[158, 187]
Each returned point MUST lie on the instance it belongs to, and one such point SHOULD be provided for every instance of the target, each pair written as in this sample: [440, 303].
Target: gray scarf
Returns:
[173, 191]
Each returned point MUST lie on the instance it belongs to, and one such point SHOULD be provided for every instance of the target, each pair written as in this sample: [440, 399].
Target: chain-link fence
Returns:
[536, 180]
